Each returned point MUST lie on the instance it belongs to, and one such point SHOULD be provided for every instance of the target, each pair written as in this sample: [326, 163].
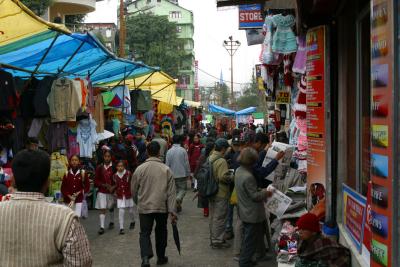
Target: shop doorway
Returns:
[363, 128]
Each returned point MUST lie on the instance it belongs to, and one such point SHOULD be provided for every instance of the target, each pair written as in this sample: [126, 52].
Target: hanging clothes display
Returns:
[300, 61]
[284, 40]
[40, 99]
[98, 114]
[87, 137]
[73, 146]
[123, 93]
[58, 168]
[63, 100]
[141, 101]
[57, 134]
[8, 96]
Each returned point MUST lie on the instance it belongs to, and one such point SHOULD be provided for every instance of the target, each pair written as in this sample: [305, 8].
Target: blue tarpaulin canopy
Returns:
[246, 111]
[74, 55]
[217, 109]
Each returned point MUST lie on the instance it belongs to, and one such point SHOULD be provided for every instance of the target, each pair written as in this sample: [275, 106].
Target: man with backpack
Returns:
[219, 202]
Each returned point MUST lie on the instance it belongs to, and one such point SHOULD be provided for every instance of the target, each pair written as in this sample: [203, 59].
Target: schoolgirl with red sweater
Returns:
[106, 187]
[122, 181]
[75, 185]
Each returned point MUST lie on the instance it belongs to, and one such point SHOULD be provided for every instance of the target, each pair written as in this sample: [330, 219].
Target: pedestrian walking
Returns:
[105, 184]
[219, 203]
[250, 205]
[122, 179]
[34, 232]
[194, 154]
[178, 161]
[162, 142]
[154, 185]
[75, 185]
[202, 202]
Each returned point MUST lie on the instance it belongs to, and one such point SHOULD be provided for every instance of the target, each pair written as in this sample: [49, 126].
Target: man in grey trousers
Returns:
[178, 161]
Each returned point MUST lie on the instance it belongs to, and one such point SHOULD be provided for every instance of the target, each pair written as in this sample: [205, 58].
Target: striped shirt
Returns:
[37, 233]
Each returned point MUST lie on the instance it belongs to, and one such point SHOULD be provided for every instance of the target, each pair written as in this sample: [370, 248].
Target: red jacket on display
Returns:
[104, 175]
[74, 182]
[123, 185]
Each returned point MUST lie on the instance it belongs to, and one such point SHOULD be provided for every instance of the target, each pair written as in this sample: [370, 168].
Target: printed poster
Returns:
[382, 61]
[316, 78]
[355, 211]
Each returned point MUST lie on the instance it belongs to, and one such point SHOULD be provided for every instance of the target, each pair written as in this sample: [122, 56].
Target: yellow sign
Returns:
[283, 98]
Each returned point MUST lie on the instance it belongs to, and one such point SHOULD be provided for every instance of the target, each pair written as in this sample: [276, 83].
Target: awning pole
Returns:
[98, 67]
[44, 55]
[136, 67]
[11, 67]
[145, 80]
[163, 88]
[70, 58]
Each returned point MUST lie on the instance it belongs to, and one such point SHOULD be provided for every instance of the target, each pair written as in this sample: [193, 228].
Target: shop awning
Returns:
[246, 111]
[17, 23]
[217, 109]
[43, 48]
[161, 85]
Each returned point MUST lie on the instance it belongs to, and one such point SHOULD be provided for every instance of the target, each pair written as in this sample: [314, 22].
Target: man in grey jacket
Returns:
[178, 160]
[154, 186]
[250, 204]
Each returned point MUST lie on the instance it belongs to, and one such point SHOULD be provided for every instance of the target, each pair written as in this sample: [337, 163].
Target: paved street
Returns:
[111, 249]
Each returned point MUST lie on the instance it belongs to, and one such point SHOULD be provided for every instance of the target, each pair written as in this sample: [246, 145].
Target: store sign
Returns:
[283, 98]
[250, 16]
[316, 129]
[355, 207]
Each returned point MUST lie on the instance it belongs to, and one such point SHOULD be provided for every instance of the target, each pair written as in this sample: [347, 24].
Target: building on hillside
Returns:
[61, 8]
[105, 32]
[185, 28]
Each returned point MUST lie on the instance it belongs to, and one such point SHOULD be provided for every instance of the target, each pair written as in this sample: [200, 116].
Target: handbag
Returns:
[233, 200]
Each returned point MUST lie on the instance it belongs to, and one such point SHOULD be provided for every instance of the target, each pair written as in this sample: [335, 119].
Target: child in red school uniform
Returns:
[122, 180]
[75, 185]
[106, 187]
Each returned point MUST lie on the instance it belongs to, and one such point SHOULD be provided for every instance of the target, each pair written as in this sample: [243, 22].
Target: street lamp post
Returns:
[231, 46]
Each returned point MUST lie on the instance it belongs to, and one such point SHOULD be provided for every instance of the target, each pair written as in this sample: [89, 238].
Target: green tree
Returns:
[251, 96]
[71, 20]
[39, 7]
[223, 95]
[154, 40]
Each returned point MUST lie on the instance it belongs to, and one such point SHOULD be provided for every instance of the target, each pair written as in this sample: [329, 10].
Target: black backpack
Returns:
[207, 185]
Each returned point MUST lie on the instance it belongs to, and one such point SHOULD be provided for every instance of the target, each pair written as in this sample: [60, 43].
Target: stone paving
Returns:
[112, 249]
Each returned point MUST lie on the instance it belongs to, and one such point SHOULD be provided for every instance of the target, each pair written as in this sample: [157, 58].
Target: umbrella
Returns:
[176, 237]
[104, 135]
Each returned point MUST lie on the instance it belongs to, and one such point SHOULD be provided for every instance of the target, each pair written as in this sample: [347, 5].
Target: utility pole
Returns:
[231, 46]
[122, 29]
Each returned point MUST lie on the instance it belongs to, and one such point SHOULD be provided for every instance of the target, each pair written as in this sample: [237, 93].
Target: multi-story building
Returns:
[106, 32]
[61, 8]
[185, 28]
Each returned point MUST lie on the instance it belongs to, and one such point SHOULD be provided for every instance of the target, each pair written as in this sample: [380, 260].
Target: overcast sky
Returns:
[212, 26]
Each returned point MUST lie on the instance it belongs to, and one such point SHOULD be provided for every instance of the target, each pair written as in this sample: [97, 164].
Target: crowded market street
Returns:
[194, 231]
[199, 133]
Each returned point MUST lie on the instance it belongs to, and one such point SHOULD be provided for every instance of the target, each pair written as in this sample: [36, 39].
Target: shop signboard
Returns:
[250, 17]
[382, 133]
[355, 207]
[317, 80]
[283, 97]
